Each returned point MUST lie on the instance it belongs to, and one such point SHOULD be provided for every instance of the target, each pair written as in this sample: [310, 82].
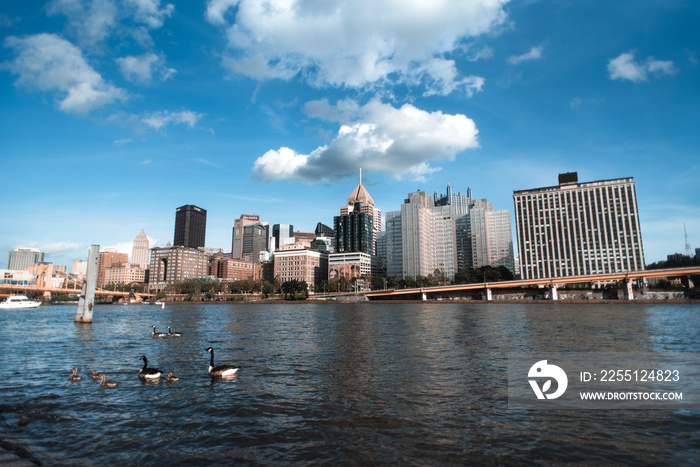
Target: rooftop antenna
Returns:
[361, 181]
[688, 250]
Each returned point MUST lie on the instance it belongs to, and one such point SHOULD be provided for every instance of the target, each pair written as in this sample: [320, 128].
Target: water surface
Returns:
[409, 384]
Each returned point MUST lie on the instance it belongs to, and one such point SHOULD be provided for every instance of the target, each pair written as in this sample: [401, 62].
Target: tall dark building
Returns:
[190, 226]
[255, 240]
[354, 232]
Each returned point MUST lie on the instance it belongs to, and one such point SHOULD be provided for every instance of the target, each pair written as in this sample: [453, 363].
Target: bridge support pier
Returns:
[489, 294]
[627, 289]
[553, 295]
[423, 297]
[87, 295]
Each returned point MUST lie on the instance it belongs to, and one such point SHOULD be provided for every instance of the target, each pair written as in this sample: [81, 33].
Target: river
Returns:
[348, 384]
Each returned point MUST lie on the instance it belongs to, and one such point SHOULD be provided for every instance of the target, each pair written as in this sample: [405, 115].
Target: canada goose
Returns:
[173, 334]
[94, 375]
[158, 334]
[149, 373]
[74, 376]
[108, 384]
[171, 377]
[221, 370]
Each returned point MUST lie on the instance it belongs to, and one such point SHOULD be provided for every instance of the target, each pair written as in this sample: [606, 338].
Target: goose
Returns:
[74, 376]
[158, 334]
[148, 373]
[221, 370]
[107, 384]
[171, 377]
[94, 375]
[173, 334]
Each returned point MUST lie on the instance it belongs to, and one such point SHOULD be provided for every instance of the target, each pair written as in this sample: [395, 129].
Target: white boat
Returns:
[19, 301]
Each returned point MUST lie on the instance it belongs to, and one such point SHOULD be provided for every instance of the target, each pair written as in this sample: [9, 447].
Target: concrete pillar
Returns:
[553, 295]
[423, 297]
[87, 294]
[489, 295]
[627, 289]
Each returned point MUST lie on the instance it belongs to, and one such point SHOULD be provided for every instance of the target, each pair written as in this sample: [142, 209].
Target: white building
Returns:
[427, 237]
[140, 251]
[21, 258]
[578, 228]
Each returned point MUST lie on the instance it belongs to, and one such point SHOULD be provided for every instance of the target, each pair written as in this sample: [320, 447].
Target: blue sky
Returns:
[114, 113]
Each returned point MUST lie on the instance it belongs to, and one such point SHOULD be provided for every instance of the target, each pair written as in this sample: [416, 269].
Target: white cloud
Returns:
[89, 21]
[92, 21]
[535, 53]
[145, 68]
[149, 12]
[160, 119]
[49, 63]
[216, 9]
[355, 44]
[625, 67]
[376, 137]
[60, 248]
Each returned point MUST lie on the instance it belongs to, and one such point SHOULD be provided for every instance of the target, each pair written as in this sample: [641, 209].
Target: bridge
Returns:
[43, 283]
[552, 283]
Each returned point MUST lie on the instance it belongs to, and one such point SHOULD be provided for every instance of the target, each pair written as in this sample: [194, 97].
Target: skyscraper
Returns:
[237, 240]
[360, 201]
[140, 251]
[578, 228]
[427, 237]
[394, 252]
[21, 258]
[483, 234]
[190, 226]
[283, 234]
[255, 240]
[354, 232]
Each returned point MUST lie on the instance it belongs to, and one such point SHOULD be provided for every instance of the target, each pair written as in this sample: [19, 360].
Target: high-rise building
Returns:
[238, 225]
[255, 240]
[491, 236]
[354, 232]
[427, 237]
[360, 201]
[394, 252]
[190, 226]
[21, 258]
[283, 235]
[578, 228]
[483, 235]
[140, 251]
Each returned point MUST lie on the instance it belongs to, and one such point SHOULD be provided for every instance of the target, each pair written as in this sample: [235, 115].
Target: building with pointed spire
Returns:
[360, 201]
[140, 251]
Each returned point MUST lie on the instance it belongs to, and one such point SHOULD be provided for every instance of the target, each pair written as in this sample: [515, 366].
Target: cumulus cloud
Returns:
[354, 44]
[144, 69]
[160, 119]
[535, 53]
[49, 63]
[376, 137]
[58, 248]
[625, 67]
[91, 21]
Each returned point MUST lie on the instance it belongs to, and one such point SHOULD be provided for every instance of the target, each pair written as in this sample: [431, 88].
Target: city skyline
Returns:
[108, 128]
